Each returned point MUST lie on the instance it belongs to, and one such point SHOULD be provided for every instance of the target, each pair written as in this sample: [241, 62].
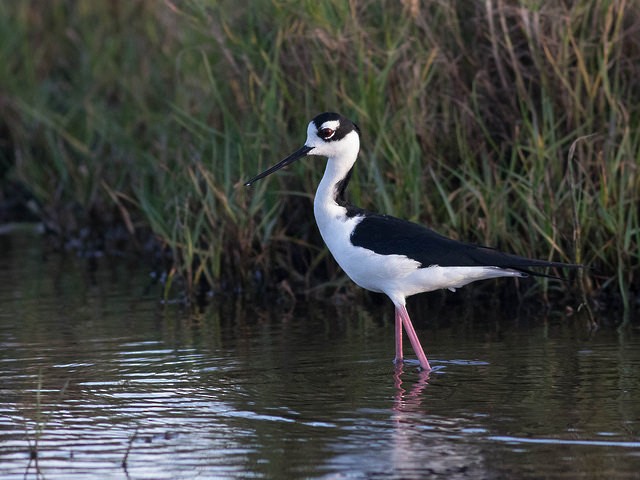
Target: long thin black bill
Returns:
[290, 159]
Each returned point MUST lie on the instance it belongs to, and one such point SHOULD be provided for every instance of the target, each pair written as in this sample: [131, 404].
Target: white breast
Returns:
[395, 275]
[365, 267]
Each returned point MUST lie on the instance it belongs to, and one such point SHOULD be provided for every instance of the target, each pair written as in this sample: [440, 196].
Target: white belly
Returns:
[395, 275]
[366, 268]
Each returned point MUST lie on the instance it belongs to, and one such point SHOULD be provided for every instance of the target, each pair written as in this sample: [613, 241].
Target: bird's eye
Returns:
[326, 133]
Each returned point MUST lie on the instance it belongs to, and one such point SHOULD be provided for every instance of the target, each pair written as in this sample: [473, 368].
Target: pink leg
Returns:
[399, 354]
[413, 337]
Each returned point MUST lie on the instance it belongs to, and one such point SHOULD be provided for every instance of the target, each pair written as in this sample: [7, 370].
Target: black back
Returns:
[388, 235]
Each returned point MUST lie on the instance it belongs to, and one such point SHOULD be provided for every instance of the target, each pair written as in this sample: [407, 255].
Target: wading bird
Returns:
[386, 254]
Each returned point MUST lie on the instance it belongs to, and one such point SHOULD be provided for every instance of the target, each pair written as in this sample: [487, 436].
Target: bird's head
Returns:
[328, 135]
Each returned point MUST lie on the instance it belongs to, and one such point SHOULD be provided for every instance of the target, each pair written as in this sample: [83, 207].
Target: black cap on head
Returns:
[345, 127]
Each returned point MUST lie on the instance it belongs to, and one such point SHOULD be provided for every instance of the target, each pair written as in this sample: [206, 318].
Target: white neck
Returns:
[325, 205]
[327, 189]
[339, 162]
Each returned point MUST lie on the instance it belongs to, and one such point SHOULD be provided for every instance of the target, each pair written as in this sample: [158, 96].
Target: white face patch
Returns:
[318, 136]
[326, 140]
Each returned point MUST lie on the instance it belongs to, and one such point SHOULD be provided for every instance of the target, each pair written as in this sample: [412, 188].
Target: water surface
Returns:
[100, 381]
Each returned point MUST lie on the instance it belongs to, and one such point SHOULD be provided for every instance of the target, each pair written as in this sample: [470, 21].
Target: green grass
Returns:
[151, 115]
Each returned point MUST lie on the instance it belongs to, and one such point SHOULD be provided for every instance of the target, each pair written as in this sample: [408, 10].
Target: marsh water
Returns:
[101, 381]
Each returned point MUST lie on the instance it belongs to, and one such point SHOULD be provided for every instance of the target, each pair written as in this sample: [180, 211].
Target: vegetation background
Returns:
[131, 125]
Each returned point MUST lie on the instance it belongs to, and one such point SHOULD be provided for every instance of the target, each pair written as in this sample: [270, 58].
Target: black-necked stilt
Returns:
[383, 253]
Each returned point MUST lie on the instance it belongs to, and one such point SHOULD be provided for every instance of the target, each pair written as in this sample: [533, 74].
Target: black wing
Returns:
[388, 235]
